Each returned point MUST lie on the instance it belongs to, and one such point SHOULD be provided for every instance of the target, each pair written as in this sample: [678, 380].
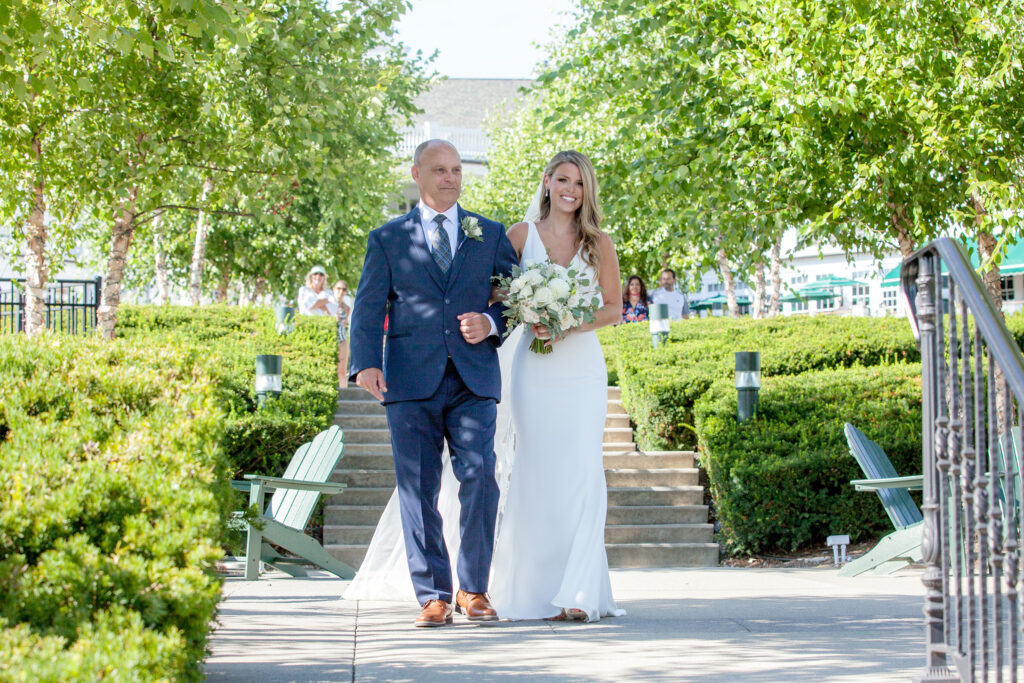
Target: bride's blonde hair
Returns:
[588, 216]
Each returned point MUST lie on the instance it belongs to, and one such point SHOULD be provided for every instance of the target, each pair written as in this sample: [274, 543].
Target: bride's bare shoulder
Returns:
[517, 236]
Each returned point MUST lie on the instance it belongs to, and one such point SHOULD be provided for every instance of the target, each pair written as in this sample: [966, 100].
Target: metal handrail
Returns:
[972, 384]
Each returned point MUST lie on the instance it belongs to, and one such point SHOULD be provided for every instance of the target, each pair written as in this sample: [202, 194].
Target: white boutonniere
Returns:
[471, 226]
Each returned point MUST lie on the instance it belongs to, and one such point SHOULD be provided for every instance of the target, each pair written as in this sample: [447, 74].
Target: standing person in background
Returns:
[634, 300]
[344, 309]
[668, 294]
[314, 299]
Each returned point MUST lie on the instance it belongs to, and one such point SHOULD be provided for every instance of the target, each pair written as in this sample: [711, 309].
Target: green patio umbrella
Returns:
[807, 294]
[718, 299]
[834, 281]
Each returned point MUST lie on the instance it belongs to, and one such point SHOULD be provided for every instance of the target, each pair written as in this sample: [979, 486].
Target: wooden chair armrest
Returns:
[273, 483]
[914, 482]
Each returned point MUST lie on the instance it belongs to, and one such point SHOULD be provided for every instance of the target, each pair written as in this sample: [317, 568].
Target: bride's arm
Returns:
[517, 236]
[611, 289]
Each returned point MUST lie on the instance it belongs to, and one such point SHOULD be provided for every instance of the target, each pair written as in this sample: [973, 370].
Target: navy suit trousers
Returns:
[419, 429]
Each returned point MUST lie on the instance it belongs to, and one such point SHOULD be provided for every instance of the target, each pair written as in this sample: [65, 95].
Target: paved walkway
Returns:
[718, 624]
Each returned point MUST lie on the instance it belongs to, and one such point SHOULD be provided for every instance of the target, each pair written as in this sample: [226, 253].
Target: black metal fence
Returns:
[972, 382]
[71, 305]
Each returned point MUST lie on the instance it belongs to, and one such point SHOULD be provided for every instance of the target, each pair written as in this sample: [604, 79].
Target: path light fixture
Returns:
[268, 377]
[284, 319]
[658, 317]
[748, 383]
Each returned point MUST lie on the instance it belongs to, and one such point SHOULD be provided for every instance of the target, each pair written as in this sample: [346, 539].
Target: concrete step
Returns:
[662, 554]
[359, 407]
[622, 478]
[615, 407]
[639, 461]
[367, 515]
[618, 435]
[655, 533]
[376, 479]
[657, 496]
[616, 421]
[354, 393]
[349, 422]
[354, 436]
[351, 555]
[618, 447]
[383, 448]
[363, 495]
[657, 514]
[379, 461]
[348, 534]
[614, 394]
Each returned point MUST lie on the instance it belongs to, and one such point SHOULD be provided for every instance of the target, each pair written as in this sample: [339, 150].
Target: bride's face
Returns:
[565, 185]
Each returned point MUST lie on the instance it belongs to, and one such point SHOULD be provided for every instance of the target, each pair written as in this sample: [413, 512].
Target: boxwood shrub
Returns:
[781, 481]
[660, 387]
[258, 441]
[114, 488]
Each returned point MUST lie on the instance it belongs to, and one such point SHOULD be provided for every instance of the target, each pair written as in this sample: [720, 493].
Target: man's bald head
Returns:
[417, 156]
[437, 170]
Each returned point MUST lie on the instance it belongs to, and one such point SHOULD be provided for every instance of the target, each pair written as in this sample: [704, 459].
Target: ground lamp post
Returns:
[748, 383]
[284, 318]
[268, 377]
[658, 316]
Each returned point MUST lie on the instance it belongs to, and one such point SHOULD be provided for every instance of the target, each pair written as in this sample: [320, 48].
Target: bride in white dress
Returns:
[549, 557]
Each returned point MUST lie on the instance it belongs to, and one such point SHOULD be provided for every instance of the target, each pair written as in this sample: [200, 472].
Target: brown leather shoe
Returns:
[435, 613]
[475, 606]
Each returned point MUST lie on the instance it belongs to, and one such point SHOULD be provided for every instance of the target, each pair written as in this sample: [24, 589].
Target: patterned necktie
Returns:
[442, 245]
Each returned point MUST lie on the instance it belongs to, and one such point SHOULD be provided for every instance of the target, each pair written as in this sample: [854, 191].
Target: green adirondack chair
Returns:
[294, 497]
[902, 546]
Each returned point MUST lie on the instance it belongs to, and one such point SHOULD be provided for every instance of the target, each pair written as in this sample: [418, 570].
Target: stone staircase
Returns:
[656, 515]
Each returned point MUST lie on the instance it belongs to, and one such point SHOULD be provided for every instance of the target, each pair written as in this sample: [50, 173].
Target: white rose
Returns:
[526, 292]
[533, 277]
[516, 285]
[567, 321]
[529, 316]
[542, 296]
[560, 271]
[560, 288]
[574, 300]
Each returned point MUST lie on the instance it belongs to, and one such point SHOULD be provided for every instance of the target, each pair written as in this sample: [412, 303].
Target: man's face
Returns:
[667, 281]
[439, 177]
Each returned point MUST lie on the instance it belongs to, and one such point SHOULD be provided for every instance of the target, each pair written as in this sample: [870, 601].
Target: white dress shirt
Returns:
[451, 226]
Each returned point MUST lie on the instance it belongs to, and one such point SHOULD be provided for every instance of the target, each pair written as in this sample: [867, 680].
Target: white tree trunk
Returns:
[776, 276]
[758, 308]
[727, 280]
[163, 287]
[37, 270]
[120, 240]
[195, 286]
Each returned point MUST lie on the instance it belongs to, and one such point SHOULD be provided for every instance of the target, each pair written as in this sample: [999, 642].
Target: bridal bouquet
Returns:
[550, 295]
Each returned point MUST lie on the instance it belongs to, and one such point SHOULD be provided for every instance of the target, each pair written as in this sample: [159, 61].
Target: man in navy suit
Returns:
[437, 373]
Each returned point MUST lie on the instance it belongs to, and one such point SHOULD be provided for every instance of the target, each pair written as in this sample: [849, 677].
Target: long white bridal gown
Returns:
[549, 550]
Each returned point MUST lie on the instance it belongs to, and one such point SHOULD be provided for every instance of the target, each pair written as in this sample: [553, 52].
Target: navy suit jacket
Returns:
[401, 279]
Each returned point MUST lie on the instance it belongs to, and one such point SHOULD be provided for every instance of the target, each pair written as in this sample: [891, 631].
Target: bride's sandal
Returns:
[569, 615]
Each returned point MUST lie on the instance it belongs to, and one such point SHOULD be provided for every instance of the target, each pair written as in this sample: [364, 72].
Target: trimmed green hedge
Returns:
[660, 387]
[782, 480]
[259, 441]
[114, 489]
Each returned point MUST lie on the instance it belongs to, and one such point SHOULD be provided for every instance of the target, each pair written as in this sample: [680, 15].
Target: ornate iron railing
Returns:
[972, 384]
[71, 305]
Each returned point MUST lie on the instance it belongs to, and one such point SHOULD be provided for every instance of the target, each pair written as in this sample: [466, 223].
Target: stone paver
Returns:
[701, 624]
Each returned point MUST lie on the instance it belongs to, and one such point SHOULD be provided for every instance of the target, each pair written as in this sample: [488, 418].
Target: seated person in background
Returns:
[634, 300]
[314, 297]
[668, 294]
